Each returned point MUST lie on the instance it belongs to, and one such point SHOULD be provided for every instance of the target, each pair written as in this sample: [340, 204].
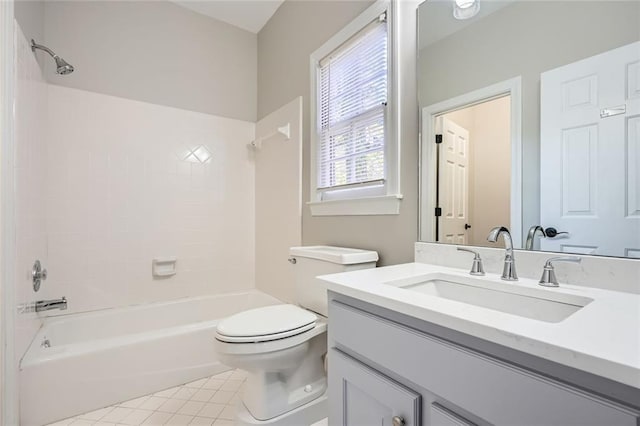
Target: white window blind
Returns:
[352, 93]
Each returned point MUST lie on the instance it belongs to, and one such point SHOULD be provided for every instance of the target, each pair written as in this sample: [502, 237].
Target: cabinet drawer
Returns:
[494, 391]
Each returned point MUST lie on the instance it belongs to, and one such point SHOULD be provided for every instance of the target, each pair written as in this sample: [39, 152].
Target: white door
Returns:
[453, 184]
[590, 154]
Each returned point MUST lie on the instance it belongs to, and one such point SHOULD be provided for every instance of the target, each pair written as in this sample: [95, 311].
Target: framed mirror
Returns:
[530, 119]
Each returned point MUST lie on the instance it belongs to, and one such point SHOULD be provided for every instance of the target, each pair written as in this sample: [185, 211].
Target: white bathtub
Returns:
[100, 358]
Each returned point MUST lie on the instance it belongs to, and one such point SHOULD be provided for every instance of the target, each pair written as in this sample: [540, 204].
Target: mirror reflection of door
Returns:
[474, 171]
[590, 154]
[453, 183]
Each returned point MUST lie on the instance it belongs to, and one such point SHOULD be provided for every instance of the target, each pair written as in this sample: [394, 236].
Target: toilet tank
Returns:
[311, 261]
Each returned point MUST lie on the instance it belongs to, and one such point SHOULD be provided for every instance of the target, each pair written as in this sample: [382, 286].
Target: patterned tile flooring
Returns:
[208, 401]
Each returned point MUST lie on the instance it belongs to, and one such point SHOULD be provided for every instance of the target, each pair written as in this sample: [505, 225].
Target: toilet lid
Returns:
[265, 324]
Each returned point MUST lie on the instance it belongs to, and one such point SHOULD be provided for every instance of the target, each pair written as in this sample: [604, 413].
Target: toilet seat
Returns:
[252, 349]
[265, 324]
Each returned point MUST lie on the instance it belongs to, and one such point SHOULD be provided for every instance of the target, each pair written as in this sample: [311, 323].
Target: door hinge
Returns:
[438, 211]
[438, 138]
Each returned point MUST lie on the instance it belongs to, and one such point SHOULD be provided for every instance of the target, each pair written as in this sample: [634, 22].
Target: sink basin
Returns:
[537, 304]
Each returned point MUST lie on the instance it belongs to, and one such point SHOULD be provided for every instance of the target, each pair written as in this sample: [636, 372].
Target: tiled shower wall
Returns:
[122, 189]
[30, 174]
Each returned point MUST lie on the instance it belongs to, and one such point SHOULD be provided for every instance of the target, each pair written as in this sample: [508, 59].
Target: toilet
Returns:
[283, 347]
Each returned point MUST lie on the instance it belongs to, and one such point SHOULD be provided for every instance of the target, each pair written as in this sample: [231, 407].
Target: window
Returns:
[352, 134]
[353, 98]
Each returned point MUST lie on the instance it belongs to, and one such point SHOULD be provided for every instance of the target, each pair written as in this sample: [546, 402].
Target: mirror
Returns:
[530, 119]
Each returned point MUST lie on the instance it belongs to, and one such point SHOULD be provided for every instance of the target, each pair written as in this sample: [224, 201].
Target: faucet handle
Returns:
[477, 268]
[548, 278]
[38, 274]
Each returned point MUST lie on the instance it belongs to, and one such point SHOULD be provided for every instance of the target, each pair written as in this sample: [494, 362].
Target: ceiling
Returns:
[250, 15]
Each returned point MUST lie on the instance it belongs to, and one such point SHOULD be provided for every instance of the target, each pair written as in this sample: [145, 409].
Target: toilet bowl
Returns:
[283, 372]
[282, 347]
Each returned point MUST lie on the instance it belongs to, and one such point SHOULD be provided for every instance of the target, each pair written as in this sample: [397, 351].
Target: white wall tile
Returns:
[119, 193]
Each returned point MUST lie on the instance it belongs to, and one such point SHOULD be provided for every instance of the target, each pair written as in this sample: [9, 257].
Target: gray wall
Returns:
[30, 17]
[157, 52]
[525, 39]
[295, 31]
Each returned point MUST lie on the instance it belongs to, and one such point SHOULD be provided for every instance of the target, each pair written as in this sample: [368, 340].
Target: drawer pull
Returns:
[398, 421]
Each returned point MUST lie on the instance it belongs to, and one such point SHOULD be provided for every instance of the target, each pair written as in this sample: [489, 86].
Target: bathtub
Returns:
[100, 358]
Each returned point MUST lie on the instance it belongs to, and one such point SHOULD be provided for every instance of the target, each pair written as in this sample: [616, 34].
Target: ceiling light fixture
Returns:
[465, 9]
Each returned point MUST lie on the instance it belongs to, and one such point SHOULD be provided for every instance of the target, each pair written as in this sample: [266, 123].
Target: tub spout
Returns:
[47, 305]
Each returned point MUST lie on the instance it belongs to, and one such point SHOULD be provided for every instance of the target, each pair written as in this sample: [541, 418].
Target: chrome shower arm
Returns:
[35, 46]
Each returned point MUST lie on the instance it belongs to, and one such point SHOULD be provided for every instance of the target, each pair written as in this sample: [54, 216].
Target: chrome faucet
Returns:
[548, 278]
[509, 270]
[477, 268]
[532, 234]
[47, 305]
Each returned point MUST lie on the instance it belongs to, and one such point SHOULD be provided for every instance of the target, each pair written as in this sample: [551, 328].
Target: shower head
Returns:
[62, 66]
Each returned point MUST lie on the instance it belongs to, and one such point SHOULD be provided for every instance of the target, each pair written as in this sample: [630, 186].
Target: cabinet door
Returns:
[362, 396]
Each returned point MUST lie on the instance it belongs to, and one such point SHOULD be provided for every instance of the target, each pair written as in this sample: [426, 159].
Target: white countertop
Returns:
[602, 338]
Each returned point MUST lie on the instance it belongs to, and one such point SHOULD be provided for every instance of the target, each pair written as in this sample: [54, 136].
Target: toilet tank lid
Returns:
[339, 255]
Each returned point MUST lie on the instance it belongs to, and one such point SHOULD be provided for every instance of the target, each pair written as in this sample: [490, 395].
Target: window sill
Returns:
[365, 206]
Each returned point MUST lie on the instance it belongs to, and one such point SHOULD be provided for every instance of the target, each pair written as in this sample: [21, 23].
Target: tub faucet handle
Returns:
[38, 274]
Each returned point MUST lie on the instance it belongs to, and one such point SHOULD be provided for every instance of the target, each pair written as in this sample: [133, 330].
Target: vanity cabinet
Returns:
[384, 372]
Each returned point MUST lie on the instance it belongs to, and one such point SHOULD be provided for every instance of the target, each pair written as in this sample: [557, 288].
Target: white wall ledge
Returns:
[365, 206]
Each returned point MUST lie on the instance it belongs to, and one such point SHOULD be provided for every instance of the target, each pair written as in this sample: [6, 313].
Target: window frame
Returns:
[367, 199]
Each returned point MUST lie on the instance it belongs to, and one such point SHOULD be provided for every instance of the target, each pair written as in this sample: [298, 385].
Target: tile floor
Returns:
[209, 401]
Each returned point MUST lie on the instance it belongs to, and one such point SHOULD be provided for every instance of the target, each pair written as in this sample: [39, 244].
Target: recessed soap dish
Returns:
[164, 267]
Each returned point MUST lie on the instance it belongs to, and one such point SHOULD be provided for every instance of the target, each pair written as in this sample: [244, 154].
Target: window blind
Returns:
[352, 93]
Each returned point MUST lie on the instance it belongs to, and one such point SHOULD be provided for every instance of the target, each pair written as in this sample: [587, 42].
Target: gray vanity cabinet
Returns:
[380, 368]
[370, 398]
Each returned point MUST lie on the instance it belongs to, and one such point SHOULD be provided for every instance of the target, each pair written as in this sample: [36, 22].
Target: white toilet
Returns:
[282, 347]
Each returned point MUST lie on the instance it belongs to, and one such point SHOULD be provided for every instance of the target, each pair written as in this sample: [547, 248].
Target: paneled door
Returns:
[361, 396]
[590, 154]
[453, 183]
